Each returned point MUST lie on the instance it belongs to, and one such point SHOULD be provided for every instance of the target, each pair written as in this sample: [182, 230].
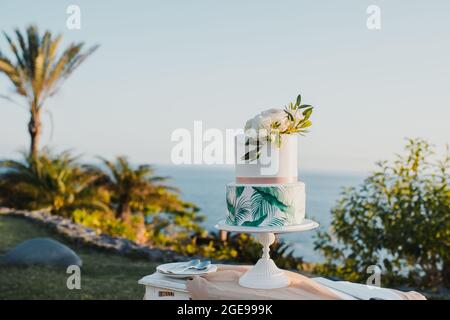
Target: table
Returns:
[224, 284]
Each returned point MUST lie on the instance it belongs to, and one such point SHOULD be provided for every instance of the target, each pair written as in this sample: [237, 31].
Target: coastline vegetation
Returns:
[397, 219]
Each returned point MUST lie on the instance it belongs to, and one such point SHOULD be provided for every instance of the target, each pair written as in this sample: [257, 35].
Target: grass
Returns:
[104, 275]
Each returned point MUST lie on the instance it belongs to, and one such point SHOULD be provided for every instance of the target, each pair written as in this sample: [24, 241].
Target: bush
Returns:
[399, 219]
[107, 223]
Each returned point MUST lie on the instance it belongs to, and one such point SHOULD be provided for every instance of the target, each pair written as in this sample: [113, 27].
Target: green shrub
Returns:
[107, 223]
[399, 219]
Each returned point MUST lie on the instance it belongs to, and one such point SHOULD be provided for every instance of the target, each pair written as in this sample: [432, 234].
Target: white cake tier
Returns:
[257, 205]
[275, 164]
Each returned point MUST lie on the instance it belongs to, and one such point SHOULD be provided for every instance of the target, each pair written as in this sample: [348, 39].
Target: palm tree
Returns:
[137, 191]
[38, 71]
[56, 183]
[132, 187]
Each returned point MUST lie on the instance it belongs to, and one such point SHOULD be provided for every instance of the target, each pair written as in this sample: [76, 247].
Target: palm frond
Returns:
[242, 210]
[231, 201]
[14, 49]
[47, 181]
[260, 206]
[38, 71]
[277, 222]
[273, 195]
[254, 223]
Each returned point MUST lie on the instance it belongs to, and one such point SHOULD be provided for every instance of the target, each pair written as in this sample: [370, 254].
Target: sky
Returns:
[162, 65]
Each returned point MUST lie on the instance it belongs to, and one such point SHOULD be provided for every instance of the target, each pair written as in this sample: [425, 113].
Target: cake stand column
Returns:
[264, 274]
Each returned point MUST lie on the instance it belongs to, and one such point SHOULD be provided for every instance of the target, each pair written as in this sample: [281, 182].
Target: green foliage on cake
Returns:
[255, 223]
[260, 205]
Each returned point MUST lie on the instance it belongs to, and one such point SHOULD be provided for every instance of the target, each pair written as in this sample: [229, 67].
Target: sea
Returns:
[205, 187]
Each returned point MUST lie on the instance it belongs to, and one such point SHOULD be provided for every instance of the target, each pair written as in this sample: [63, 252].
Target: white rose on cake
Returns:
[257, 127]
[263, 124]
[270, 125]
[278, 118]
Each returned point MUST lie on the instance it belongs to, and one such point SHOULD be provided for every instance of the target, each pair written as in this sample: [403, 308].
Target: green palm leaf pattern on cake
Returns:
[238, 207]
[265, 200]
[242, 210]
[259, 205]
[254, 223]
[231, 198]
[274, 196]
[239, 190]
[277, 222]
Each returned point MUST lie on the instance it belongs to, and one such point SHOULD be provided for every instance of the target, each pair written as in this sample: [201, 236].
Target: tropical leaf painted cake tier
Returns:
[265, 205]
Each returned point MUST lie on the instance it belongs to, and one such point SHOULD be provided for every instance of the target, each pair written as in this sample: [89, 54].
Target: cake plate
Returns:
[265, 274]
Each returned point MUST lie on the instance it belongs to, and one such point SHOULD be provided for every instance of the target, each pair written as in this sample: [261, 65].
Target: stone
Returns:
[43, 251]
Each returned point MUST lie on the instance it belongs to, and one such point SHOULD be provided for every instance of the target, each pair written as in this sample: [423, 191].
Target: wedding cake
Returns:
[267, 191]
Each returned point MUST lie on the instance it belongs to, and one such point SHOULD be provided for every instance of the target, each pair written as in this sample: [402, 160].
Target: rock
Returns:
[43, 251]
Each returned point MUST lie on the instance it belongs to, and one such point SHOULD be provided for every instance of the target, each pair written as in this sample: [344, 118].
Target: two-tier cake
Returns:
[267, 191]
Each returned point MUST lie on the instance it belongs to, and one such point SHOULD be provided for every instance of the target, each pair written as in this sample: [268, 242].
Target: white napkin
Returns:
[359, 291]
[159, 280]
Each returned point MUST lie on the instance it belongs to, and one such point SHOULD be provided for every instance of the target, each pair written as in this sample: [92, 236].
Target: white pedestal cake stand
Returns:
[265, 274]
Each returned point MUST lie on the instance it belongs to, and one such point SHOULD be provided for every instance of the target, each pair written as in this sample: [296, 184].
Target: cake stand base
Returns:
[264, 274]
